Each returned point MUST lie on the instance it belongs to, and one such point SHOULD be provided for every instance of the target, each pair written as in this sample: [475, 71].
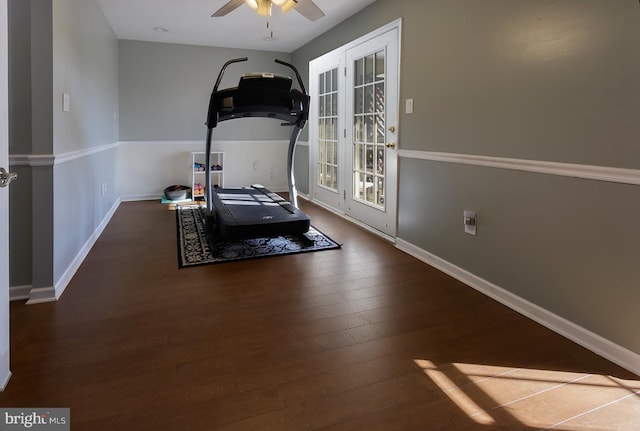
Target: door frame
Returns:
[5, 372]
[338, 205]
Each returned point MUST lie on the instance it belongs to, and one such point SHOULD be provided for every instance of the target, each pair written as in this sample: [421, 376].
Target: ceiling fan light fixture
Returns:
[264, 7]
[287, 5]
[253, 4]
[278, 2]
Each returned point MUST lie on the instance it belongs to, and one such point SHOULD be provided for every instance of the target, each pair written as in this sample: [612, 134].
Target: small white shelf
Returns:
[198, 178]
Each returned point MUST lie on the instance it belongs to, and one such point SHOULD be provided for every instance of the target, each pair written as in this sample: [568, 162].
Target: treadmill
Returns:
[255, 212]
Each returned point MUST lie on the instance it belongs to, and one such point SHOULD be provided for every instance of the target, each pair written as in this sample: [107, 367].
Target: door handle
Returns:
[6, 177]
[391, 145]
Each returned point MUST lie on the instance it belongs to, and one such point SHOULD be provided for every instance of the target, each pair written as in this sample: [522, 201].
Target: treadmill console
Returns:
[259, 95]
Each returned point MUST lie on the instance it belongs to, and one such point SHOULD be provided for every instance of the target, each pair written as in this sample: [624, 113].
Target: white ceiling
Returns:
[190, 22]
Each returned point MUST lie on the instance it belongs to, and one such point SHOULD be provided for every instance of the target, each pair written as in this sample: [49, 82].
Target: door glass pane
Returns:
[358, 101]
[380, 161]
[369, 106]
[369, 158]
[359, 72]
[358, 129]
[380, 129]
[369, 195]
[379, 96]
[380, 66]
[370, 128]
[327, 105]
[368, 69]
[334, 104]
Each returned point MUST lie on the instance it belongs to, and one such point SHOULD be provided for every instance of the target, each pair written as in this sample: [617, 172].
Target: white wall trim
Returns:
[65, 279]
[73, 155]
[39, 295]
[589, 172]
[135, 198]
[358, 223]
[52, 293]
[594, 342]
[6, 379]
[164, 142]
[302, 144]
[56, 159]
[201, 143]
[31, 159]
[17, 293]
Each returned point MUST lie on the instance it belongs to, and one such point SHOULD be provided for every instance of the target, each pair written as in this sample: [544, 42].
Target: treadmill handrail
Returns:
[235, 60]
[292, 67]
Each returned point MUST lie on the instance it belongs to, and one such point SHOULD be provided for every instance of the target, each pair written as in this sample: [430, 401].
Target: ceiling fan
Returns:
[306, 8]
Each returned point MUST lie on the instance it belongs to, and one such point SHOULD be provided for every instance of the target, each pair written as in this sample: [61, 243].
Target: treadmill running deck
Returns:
[252, 212]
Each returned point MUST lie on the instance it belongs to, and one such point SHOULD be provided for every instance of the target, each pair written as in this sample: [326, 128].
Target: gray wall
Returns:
[56, 47]
[19, 33]
[540, 80]
[165, 90]
[20, 82]
[85, 65]
[30, 81]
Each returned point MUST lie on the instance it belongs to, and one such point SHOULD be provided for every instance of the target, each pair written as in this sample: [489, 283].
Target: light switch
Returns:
[409, 106]
[66, 102]
[470, 222]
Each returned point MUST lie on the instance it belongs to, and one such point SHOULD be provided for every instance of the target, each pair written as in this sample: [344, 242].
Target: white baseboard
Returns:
[64, 280]
[47, 294]
[17, 293]
[5, 371]
[39, 295]
[594, 342]
[135, 198]
[5, 381]
[358, 223]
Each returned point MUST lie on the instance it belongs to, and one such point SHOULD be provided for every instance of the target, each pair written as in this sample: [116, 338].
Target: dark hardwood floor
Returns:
[361, 338]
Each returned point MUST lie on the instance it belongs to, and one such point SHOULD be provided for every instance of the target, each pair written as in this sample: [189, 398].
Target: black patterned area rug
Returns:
[194, 248]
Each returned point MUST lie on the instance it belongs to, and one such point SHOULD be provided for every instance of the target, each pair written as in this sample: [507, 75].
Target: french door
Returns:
[353, 130]
[326, 130]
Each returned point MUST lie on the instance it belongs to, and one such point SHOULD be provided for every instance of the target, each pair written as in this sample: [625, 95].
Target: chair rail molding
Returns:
[589, 172]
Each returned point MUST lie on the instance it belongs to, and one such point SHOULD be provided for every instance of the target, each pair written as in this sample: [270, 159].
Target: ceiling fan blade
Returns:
[308, 9]
[231, 6]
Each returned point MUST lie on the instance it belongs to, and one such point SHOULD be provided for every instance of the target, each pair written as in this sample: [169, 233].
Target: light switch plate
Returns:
[470, 222]
[66, 102]
[409, 106]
